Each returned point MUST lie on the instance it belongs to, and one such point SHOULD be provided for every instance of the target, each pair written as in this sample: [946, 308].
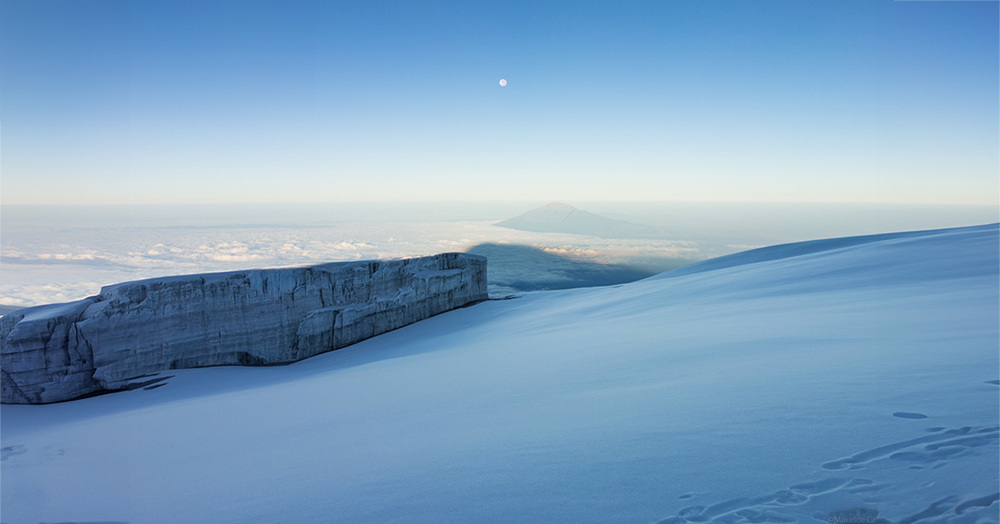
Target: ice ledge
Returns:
[257, 317]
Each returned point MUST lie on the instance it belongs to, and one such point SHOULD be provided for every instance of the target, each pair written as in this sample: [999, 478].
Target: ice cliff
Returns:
[258, 317]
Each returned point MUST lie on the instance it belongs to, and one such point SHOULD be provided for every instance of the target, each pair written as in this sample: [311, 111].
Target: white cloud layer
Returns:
[59, 254]
[62, 264]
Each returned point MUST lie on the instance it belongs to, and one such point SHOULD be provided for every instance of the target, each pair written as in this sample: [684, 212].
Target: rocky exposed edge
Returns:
[258, 317]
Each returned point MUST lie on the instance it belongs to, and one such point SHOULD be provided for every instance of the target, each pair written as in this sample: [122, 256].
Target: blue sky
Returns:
[105, 102]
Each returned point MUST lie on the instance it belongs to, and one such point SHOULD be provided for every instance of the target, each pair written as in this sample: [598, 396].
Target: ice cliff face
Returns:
[258, 317]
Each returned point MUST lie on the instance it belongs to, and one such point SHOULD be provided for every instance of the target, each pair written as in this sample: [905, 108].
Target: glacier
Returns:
[259, 317]
[841, 380]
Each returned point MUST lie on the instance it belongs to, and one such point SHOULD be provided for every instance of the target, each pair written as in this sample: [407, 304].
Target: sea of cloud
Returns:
[56, 264]
[57, 254]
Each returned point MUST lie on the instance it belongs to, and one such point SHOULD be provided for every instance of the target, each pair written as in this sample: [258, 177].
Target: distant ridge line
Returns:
[558, 217]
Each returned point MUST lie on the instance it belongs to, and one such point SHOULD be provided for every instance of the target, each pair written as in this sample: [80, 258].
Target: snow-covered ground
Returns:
[846, 380]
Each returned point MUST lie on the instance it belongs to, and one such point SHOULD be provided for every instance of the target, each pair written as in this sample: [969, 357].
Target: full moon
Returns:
[503, 82]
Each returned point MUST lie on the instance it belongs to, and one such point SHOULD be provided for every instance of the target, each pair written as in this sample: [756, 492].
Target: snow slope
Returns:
[846, 380]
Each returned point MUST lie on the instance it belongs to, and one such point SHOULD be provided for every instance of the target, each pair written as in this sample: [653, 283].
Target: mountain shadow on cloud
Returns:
[557, 217]
[515, 268]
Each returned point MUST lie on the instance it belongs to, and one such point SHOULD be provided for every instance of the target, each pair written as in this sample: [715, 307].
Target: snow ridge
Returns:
[766, 254]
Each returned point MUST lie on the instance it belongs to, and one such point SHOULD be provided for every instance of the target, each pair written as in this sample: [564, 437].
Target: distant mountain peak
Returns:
[558, 217]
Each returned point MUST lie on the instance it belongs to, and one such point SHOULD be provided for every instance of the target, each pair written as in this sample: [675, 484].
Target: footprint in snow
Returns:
[930, 450]
[9, 451]
[962, 438]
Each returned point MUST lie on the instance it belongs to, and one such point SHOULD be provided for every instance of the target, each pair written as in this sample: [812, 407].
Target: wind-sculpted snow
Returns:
[855, 381]
[259, 317]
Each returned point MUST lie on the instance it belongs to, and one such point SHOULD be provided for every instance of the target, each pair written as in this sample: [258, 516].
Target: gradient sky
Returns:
[105, 102]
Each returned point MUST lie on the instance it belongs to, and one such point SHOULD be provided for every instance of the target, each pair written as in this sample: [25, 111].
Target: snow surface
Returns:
[839, 381]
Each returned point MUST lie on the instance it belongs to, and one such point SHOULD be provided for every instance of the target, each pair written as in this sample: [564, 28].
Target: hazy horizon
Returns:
[61, 253]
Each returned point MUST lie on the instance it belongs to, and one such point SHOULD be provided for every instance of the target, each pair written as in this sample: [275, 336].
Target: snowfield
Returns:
[846, 380]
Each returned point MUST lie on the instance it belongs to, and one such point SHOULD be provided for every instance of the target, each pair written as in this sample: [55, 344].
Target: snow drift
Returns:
[851, 380]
